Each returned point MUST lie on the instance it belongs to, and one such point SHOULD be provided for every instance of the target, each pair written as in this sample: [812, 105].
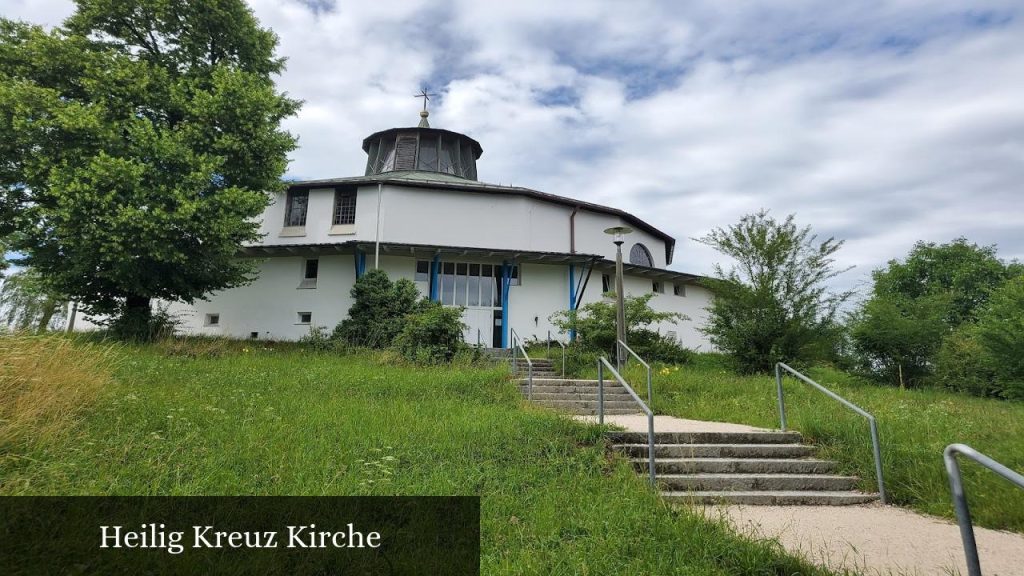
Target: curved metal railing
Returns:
[956, 486]
[601, 364]
[517, 346]
[646, 365]
[871, 419]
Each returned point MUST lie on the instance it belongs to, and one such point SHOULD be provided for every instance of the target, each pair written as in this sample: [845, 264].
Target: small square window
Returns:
[254, 335]
[657, 287]
[305, 317]
[422, 271]
[679, 289]
[606, 283]
[212, 320]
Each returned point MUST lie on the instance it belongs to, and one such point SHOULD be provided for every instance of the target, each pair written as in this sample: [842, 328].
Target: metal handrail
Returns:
[560, 343]
[956, 486]
[871, 419]
[646, 365]
[517, 343]
[601, 363]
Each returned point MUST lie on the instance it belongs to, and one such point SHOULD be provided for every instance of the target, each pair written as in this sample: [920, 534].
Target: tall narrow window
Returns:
[344, 206]
[310, 272]
[657, 287]
[679, 289]
[606, 283]
[295, 211]
[428, 154]
[422, 271]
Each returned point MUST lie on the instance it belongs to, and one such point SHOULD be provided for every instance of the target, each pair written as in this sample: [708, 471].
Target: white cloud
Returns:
[879, 122]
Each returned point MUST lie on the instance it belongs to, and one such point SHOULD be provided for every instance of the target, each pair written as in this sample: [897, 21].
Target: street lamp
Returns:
[617, 232]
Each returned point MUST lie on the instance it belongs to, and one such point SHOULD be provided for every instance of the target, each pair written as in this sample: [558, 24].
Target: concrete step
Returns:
[736, 465]
[580, 396]
[573, 390]
[587, 404]
[707, 437]
[771, 498]
[564, 382]
[756, 482]
[718, 450]
[593, 411]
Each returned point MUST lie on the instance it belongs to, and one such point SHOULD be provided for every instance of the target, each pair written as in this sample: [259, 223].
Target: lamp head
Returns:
[617, 232]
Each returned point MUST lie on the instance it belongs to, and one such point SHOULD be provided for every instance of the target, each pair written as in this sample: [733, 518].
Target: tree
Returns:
[917, 303]
[1000, 331]
[141, 140]
[773, 305]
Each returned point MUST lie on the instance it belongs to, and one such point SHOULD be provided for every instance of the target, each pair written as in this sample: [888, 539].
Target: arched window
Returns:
[640, 256]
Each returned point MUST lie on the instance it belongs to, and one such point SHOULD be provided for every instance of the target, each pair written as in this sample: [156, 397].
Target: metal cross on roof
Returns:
[423, 94]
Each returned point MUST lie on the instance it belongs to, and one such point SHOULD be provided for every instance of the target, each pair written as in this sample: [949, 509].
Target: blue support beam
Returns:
[506, 281]
[435, 271]
[572, 297]
[360, 262]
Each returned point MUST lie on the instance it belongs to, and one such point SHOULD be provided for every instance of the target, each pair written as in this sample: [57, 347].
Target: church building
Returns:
[510, 256]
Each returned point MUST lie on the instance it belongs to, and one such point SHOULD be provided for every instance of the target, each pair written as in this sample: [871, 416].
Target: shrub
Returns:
[595, 326]
[962, 364]
[131, 326]
[378, 312]
[433, 335]
[320, 340]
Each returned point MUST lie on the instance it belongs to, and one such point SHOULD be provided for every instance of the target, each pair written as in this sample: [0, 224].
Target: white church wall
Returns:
[270, 306]
[591, 239]
[544, 289]
[457, 218]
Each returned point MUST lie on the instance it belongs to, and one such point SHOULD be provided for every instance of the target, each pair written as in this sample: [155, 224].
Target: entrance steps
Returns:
[704, 462]
[578, 396]
[750, 467]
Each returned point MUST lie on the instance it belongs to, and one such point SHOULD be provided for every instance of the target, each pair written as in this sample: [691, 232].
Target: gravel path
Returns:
[876, 539]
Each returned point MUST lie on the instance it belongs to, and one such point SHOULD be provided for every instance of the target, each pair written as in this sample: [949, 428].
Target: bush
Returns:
[962, 364]
[378, 313]
[433, 335]
[595, 326]
[320, 340]
[133, 326]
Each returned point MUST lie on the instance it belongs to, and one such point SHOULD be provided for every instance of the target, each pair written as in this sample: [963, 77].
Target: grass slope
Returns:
[914, 426]
[286, 422]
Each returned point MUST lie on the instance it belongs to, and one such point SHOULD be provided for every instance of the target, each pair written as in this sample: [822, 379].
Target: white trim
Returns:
[292, 231]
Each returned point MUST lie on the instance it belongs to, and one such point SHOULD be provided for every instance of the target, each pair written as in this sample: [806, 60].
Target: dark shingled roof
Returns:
[415, 178]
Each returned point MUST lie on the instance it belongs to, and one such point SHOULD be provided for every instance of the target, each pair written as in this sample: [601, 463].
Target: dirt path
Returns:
[876, 539]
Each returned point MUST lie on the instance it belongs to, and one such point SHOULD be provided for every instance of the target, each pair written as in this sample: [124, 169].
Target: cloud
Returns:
[882, 123]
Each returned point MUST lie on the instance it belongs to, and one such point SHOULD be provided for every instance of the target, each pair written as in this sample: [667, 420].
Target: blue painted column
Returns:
[506, 280]
[572, 297]
[435, 270]
[359, 259]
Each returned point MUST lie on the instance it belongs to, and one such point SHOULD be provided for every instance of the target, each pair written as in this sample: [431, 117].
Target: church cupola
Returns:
[422, 148]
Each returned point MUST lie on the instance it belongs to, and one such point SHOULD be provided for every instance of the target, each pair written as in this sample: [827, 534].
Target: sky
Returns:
[878, 123]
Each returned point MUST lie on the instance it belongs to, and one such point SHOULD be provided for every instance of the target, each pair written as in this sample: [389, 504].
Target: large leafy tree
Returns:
[773, 305]
[141, 140]
[918, 302]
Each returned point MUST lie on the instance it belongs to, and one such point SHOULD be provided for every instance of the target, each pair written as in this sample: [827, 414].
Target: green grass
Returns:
[915, 426]
[270, 422]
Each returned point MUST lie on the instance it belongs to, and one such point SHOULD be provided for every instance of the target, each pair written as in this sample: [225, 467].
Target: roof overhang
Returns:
[415, 250]
[653, 273]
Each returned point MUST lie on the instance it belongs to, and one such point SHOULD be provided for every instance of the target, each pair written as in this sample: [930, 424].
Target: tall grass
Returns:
[263, 422]
[45, 384]
[914, 425]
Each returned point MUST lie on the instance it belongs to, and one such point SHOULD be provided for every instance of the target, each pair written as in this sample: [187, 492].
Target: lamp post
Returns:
[617, 232]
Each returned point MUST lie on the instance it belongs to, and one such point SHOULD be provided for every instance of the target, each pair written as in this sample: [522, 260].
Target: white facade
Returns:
[460, 240]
